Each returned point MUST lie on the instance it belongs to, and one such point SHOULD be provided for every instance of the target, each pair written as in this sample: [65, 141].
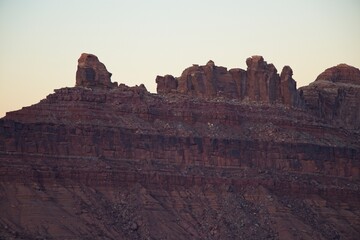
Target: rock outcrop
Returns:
[341, 73]
[166, 84]
[92, 73]
[335, 96]
[209, 157]
[259, 83]
[289, 94]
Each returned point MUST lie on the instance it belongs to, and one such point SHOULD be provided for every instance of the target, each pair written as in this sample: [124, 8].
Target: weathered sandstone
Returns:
[216, 154]
[259, 83]
[335, 96]
[92, 73]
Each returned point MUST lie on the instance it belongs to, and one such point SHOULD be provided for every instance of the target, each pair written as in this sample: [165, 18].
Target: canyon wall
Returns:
[215, 154]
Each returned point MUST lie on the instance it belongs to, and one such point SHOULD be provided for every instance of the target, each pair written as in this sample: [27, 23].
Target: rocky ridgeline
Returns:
[215, 154]
[335, 96]
[260, 83]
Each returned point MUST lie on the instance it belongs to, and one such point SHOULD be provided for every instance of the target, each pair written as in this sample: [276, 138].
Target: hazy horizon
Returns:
[41, 40]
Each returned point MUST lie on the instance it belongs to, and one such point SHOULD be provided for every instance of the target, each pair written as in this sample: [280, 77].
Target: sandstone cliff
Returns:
[260, 83]
[216, 154]
[335, 96]
[92, 73]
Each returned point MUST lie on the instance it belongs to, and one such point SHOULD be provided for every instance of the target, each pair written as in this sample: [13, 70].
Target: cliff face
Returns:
[92, 73]
[216, 154]
[335, 96]
[260, 83]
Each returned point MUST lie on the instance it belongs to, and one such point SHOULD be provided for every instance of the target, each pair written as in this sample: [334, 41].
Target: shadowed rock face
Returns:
[260, 83]
[200, 160]
[166, 84]
[289, 95]
[335, 96]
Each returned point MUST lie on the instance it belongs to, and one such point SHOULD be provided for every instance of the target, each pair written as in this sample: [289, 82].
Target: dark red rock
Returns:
[92, 73]
[335, 96]
[166, 84]
[122, 163]
[263, 83]
[259, 83]
[207, 81]
[290, 95]
[341, 73]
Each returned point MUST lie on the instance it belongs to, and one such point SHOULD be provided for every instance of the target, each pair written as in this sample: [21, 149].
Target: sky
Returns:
[41, 40]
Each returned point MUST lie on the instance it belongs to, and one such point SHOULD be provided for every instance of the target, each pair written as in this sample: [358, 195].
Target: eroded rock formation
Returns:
[209, 157]
[92, 73]
[335, 96]
[341, 73]
[166, 84]
[259, 83]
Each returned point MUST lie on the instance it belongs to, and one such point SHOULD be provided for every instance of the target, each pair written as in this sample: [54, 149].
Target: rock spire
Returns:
[92, 73]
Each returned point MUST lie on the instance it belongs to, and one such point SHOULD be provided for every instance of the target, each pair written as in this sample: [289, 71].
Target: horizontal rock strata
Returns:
[215, 154]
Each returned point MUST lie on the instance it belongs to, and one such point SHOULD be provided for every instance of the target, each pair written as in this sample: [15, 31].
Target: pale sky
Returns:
[41, 40]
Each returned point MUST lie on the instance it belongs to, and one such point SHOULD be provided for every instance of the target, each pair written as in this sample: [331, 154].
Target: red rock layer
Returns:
[260, 83]
[335, 96]
[198, 161]
[92, 73]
